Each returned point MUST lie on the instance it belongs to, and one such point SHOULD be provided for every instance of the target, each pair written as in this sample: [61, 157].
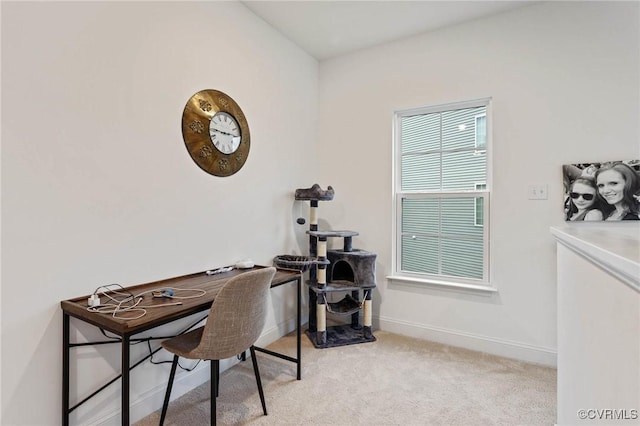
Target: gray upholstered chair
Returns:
[235, 322]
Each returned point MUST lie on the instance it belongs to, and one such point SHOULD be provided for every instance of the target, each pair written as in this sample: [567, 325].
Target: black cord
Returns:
[166, 361]
[148, 340]
[169, 362]
[109, 337]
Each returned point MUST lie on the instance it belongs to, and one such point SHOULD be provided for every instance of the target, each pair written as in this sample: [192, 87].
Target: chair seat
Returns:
[183, 344]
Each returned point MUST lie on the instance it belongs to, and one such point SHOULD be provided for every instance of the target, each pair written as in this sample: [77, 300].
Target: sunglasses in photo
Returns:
[587, 197]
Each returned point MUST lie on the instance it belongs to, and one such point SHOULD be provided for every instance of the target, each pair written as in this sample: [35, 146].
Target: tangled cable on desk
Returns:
[120, 300]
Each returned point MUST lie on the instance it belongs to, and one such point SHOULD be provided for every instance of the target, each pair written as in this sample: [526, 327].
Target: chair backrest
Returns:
[237, 315]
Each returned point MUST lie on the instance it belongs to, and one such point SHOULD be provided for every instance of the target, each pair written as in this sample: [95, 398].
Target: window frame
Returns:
[398, 195]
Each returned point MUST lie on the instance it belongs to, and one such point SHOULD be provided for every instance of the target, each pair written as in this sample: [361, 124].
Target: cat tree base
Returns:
[340, 335]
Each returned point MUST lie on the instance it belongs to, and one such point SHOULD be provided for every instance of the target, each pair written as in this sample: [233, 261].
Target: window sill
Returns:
[474, 288]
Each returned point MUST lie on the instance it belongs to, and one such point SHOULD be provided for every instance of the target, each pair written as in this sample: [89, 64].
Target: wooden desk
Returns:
[156, 317]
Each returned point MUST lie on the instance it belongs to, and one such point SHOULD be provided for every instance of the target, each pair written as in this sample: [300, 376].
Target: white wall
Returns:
[564, 81]
[98, 188]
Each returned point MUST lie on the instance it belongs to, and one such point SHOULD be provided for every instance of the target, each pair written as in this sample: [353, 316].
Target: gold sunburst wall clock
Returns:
[215, 132]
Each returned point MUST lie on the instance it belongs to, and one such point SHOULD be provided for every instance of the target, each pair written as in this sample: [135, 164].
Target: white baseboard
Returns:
[505, 348]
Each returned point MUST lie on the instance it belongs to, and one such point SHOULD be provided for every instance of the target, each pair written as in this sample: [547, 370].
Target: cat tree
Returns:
[334, 271]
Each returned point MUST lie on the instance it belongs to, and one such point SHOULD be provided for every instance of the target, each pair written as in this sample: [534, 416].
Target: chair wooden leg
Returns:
[215, 371]
[258, 381]
[167, 395]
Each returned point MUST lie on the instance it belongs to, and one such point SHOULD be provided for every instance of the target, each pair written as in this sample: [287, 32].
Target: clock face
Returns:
[215, 132]
[225, 132]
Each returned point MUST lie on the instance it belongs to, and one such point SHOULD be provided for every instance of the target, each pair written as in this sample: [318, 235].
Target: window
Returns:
[441, 193]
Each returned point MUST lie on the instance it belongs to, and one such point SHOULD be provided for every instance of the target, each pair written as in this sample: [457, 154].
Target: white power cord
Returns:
[119, 300]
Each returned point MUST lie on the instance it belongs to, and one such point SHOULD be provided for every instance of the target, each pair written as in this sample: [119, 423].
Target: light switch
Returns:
[537, 192]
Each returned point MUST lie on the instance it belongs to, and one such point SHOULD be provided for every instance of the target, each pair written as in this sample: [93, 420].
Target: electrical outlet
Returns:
[537, 192]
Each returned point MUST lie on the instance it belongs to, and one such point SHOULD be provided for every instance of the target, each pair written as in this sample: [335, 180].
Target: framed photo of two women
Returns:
[608, 191]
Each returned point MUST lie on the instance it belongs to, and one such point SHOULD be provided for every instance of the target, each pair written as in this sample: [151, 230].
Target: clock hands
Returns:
[228, 143]
[224, 133]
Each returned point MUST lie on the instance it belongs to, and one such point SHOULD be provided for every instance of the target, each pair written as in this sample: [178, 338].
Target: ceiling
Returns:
[326, 29]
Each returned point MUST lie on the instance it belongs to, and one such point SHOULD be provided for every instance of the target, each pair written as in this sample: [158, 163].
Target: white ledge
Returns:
[615, 247]
[444, 284]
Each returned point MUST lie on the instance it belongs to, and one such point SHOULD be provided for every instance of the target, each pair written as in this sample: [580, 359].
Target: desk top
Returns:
[154, 317]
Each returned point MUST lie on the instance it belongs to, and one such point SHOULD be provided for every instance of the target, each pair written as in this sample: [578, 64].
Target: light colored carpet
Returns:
[394, 381]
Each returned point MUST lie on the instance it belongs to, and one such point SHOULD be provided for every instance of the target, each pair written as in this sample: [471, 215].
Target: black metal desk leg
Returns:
[65, 369]
[125, 380]
[298, 333]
